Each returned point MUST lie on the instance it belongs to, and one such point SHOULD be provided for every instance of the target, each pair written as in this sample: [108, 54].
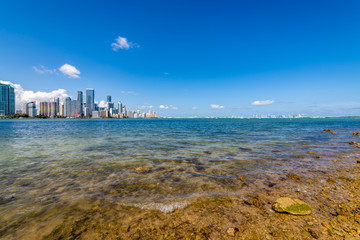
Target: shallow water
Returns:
[153, 164]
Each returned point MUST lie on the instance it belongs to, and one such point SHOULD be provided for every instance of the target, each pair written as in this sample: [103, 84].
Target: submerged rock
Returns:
[327, 130]
[356, 133]
[142, 169]
[231, 231]
[311, 152]
[293, 177]
[333, 132]
[241, 178]
[292, 206]
[353, 143]
[4, 200]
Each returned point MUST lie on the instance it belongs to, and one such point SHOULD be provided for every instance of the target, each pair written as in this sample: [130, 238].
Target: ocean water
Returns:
[154, 164]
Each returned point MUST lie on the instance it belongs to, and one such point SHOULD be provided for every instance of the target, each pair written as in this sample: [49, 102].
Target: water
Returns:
[153, 164]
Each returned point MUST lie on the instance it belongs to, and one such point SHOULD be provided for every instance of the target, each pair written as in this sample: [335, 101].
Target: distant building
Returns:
[61, 109]
[104, 114]
[49, 109]
[90, 99]
[108, 98]
[86, 112]
[7, 100]
[95, 114]
[29, 109]
[80, 104]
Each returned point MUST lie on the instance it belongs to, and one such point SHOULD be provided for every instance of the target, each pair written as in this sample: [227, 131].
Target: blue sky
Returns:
[302, 56]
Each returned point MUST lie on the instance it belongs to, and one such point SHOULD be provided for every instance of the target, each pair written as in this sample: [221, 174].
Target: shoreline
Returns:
[332, 193]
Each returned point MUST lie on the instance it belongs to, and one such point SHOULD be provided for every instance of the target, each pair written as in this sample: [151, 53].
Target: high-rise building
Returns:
[57, 109]
[108, 98]
[49, 109]
[80, 106]
[90, 99]
[7, 100]
[29, 109]
[67, 107]
[120, 107]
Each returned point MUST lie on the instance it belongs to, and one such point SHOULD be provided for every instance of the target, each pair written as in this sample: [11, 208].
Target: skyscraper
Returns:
[7, 100]
[80, 103]
[29, 109]
[90, 98]
[108, 98]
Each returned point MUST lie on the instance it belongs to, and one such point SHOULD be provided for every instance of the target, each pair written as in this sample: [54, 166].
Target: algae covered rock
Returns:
[327, 130]
[292, 206]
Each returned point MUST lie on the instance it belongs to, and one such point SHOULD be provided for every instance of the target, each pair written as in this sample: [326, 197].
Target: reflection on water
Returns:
[152, 163]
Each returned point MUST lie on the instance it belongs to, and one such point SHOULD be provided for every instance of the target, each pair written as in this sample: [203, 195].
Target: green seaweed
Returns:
[298, 208]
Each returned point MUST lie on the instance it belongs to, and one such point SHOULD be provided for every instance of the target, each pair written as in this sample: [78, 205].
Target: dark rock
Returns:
[244, 149]
[353, 143]
[4, 200]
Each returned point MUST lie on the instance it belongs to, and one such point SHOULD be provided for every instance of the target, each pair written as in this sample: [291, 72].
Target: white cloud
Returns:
[194, 108]
[43, 70]
[69, 71]
[128, 92]
[168, 107]
[122, 43]
[266, 102]
[102, 104]
[215, 106]
[23, 96]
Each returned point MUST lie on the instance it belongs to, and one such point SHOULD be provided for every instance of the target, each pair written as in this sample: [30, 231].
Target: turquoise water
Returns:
[142, 162]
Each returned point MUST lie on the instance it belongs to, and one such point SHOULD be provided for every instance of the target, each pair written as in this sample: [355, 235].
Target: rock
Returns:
[327, 130]
[142, 169]
[335, 161]
[317, 156]
[331, 181]
[292, 206]
[356, 133]
[315, 233]
[333, 132]
[358, 161]
[311, 152]
[353, 143]
[293, 177]
[241, 178]
[4, 200]
[231, 231]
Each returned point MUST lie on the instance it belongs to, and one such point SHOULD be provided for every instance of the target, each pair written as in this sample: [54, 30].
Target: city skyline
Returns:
[188, 59]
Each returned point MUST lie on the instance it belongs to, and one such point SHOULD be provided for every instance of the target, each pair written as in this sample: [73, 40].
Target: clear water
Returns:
[147, 162]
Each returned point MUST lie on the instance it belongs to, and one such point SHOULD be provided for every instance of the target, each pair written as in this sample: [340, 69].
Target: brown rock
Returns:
[333, 132]
[241, 178]
[311, 152]
[142, 169]
[230, 231]
[330, 180]
[327, 130]
[317, 157]
[353, 143]
[293, 177]
[292, 206]
[356, 133]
